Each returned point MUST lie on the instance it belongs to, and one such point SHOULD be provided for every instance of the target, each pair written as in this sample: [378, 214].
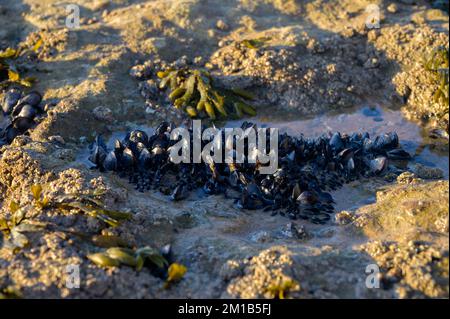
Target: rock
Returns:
[57, 139]
[392, 8]
[149, 89]
[344, 217]
[181, 62]
[406, 211]
[372, 35]
[407, 267]
[327, 232]
[222, 25]
[408, 178]
[372, 63]
[264, 275]
[294, 232]
[425, 172]
[142, 71]
[231, 269]
[104, 114]
[261, 237]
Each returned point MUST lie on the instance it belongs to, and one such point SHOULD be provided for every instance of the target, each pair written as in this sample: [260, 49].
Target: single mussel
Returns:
[336, 142]
[111, 163]
[99, 152]
[33, 98]
[25, 118]
[398, 154]
[10, 100]
[378, 165]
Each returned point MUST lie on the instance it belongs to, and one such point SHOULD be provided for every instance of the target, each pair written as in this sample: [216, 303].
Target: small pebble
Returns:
[104, 114]
[222, 25]
[392, 8]
[57, 139]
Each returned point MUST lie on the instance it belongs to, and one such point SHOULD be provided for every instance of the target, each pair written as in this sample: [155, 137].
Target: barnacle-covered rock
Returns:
[268, 275]
[407, 211]
[414, 269]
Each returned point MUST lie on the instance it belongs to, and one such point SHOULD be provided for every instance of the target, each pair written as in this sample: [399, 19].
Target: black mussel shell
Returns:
[11, 133]
[98, 156]
[23, 123]
[10, 100]
[26, 110]
[118, 146]
[351, 164]
[144, 159]
[128, 158]
[162, 128]
[178, 193]
[378, 165]
[296, 191]
[336, 142]
[110, 163]
[138, 136]
[386, 141]
[345, 155]
[33, 98]
[398, 154]
[306, 198]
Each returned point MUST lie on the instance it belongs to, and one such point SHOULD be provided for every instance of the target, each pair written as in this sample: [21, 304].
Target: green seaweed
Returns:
[117, 256]
[9, 293]
[11, 64]
[194, 91]
[255, 43]
[15, 228]
[437, 62]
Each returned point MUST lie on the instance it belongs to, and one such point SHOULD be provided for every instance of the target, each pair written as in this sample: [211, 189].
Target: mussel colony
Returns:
[308, 169]
[20, 111]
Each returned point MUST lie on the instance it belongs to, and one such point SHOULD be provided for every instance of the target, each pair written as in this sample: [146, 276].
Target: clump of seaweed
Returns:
[174, 274]
[116, 256]
[21, 221]
[158, 261]
[437, 62]
[92, 206]
[17, 226]
[279, 290]
[9, 293]
[255, 43]
[89, 204]
[193, 91]
[13, 63]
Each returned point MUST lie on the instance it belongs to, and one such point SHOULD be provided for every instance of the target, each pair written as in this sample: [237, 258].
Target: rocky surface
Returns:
[318, 56]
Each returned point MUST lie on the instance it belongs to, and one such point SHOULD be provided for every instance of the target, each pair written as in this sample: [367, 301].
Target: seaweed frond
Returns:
[194, 92]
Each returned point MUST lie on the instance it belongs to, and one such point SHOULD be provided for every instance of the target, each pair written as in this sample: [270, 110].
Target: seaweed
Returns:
[12, 64]
[279, 290]
[16, 227]
[9, 293]
[255, 43]
[92, 206]
[175, 273]
[194, 91]
[116, 256]
[437, 62]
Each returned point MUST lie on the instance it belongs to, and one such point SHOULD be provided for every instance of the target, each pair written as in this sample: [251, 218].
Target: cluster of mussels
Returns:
[20, 111]
[308, 169]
